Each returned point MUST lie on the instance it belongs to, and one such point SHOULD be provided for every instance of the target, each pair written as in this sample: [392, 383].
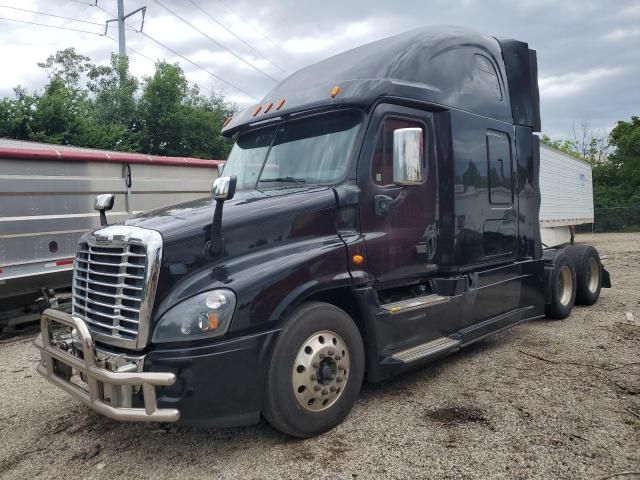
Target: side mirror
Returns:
[224, 188]
[104, 203]
[407, 156]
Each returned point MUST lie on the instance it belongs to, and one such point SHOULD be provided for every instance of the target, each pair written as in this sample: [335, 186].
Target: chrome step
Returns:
[425, 350]
[412, 303]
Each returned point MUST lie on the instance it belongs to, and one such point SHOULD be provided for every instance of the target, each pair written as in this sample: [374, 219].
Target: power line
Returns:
[216, 42]
[153, 61]
[158, 42]
[253, 26]
[238, 37]
[108, 13]
[51, 15]
[133, 50]
[51, 26]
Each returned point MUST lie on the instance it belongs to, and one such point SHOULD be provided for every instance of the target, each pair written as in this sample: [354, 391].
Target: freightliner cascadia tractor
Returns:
[379, 210]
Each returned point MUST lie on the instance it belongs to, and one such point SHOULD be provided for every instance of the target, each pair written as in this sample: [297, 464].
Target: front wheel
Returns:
[316, 371]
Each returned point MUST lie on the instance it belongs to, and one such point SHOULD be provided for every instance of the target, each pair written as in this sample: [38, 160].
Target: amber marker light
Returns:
[257, 111]
[213, 321]
[357, 259]
[268, 107]
[335, 91]
[280, 104]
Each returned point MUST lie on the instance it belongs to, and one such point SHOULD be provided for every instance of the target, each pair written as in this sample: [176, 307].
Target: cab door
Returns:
[399, 222]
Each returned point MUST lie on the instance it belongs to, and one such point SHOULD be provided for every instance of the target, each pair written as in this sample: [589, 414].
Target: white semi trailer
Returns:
[47, 195]
[566, 196]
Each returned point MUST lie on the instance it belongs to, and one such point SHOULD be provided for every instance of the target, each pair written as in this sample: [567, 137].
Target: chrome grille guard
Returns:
[106, 391]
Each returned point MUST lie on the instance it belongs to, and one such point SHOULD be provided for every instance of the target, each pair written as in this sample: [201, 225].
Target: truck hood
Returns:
[254, 222]
[192, 220]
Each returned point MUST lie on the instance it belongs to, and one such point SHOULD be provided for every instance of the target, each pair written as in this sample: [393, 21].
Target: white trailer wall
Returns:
[566, 192]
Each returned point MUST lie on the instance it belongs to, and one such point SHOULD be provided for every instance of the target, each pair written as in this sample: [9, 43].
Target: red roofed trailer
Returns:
[47, 194]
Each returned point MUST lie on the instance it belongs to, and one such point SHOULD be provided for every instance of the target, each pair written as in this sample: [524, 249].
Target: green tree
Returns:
[104, 106]
[60, 115]
[178, 120]
[161, 109]
[67, 65]
[16, 114]
[116, 121]
[565, 146]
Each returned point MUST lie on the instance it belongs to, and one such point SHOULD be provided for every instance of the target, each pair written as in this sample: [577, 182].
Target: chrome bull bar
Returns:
[97, 378]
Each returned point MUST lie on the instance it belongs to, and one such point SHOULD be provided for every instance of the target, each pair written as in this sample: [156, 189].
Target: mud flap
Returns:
[606, 278]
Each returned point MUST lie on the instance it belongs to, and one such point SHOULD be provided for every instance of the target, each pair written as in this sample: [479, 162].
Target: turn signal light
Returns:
[206, 322]
[357, 259]
[213, 321]
[335, 91]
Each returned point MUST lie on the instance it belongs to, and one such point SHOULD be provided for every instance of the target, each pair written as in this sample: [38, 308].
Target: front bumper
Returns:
[108, 391]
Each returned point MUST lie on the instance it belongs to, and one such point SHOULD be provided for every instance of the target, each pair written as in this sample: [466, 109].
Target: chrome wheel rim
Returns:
[594, 275]
[321, 371]
[565, 285]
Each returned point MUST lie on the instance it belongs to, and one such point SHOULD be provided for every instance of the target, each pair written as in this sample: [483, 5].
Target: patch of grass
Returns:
[633, 423]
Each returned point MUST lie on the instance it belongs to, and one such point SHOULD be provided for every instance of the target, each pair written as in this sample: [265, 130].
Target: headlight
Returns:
[202, 316]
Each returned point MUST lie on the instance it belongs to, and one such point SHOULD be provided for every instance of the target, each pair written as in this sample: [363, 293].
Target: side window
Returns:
[382, 161]
[499, 168]
[487, 75]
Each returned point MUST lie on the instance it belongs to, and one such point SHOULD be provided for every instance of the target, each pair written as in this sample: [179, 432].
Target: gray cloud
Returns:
[588, 51]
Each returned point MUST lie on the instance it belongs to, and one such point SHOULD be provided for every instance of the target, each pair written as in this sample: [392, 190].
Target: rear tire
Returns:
[588, 267]
[562, 284]
[316, 371]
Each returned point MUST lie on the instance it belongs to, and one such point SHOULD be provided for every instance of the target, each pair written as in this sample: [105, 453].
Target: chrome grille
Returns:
[114, 280]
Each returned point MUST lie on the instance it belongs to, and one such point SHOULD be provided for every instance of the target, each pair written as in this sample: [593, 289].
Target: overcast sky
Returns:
[588, 51]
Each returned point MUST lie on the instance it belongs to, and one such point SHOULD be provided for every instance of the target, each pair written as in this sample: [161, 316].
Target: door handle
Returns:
[383, 204]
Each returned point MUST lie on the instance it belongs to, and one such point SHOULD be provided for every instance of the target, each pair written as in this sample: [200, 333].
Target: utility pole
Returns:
[122, 46]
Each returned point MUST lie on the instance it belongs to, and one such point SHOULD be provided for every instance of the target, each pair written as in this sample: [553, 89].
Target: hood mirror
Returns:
[408, 156]
[224, 188]
[104, 203]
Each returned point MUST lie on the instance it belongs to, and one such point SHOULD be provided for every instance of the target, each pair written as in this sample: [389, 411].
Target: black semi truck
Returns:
[378, 210]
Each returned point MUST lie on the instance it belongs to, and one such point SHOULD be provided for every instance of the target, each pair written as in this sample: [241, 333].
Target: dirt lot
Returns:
[543, 400]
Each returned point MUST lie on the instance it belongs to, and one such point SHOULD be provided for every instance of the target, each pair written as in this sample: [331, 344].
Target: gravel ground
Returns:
[546, 399]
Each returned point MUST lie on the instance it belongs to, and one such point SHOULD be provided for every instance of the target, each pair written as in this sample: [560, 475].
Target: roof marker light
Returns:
[226, 122]
[280, 104]
[257, 111]
[335, 91]
[268, 107]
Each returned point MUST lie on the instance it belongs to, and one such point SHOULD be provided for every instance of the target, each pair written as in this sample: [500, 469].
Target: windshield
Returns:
[310, 150]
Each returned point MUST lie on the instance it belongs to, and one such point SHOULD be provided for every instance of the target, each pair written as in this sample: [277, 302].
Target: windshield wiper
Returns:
[283, 179]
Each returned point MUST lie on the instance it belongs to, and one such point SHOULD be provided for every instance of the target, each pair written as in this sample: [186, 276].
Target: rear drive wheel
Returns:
[316, 371]
[588, 273]
[563, 288]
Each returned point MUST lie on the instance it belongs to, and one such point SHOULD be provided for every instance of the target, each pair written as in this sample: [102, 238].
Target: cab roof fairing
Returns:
[431, 64]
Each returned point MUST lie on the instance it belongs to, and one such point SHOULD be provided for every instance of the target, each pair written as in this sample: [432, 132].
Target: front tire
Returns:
[316, 371]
